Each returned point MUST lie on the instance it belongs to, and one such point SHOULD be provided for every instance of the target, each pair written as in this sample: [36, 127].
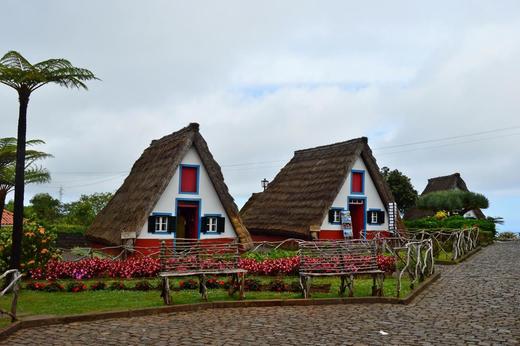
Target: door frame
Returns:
[198, 201]
[364, 229]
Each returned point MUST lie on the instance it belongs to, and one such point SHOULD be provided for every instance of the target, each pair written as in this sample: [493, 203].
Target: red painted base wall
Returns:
[338, 235]
[152, 246]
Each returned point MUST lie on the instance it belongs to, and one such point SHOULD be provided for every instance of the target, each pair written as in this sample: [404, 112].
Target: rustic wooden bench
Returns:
[189, 257]
[346, 259]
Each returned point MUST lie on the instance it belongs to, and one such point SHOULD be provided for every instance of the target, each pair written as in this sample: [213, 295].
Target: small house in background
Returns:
[307, 196]
[175, 190]
[7, 218]
[444, 183]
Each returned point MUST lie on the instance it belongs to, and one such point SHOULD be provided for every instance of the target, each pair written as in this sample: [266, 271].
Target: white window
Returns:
[337, 216]
[161, 224]
[212, 224]
[373, 218]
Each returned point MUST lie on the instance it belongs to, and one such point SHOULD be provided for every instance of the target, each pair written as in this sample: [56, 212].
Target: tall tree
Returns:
[33, 173]
[402, 189]
[19, 74]
[45, 208]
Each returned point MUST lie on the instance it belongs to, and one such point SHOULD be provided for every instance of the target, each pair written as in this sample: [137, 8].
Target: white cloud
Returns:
[264, 79]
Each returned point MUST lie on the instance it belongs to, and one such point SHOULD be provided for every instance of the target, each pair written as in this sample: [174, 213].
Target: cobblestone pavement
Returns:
[476, 302]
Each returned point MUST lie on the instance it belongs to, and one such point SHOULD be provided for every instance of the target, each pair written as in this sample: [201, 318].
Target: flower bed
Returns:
[137, 267]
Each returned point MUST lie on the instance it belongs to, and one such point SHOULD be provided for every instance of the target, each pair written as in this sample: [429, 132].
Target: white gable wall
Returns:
[209, 201]
[373, 201]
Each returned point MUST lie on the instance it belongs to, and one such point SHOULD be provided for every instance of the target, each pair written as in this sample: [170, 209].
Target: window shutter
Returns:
[221, 224]
[151, 224]
[369, 217]
[172, 224]
[204, 224]
[381, 217]
[331, 215]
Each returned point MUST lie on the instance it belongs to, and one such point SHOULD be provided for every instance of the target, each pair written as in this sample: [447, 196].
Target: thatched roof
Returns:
[448, 182]
[301, 194]
[131, 205]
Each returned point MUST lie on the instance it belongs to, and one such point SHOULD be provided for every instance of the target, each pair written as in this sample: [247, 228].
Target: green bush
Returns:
[271, 254]
[452, 222]
[66, 228]
[38, 246]
[507, 236]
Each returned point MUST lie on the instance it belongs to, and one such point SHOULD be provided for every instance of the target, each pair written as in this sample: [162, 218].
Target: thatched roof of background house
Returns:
[134, 201]
[300, 196]
[448, 182]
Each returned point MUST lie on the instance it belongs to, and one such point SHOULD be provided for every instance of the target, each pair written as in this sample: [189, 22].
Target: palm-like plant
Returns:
[17, 73]
[33, 173]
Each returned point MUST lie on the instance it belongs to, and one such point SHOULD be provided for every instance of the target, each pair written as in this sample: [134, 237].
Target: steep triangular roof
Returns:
[447, 182]
[301, 194]
[133, 202]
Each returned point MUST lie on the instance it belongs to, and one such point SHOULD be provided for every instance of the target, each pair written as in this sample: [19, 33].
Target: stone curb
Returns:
[46, 321]
[460, 260]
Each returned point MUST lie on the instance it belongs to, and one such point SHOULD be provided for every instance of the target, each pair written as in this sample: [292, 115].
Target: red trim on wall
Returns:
[372, 234]
[330, 235]
[154, 245]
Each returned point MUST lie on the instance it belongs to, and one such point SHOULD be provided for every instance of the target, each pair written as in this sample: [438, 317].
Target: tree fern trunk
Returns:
[23, 96]
[3, 195]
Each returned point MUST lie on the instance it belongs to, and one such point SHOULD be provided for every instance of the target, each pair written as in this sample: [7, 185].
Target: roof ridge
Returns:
[329, 146]
[456, 174]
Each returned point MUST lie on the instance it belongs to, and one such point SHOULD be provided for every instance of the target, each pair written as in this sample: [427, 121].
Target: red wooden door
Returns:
[357, 212]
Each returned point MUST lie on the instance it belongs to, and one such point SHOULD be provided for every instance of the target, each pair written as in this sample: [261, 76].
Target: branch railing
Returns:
[459, 241]
[13, 286]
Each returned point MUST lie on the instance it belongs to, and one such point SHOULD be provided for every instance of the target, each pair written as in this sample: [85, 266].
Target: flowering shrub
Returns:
[215, 283]
[142, 286]
[188, 284]
[98, 286]
[278, 285]
[76, 287]
[252, 285]
[35, 286]
[386, 263]
[97, 268]
[37, 246]
[117, 286]
[54, 286]
[278, 266]
[295, 286]
[136, 267]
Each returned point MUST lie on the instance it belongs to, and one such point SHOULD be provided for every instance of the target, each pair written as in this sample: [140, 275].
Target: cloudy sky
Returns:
[265, 78]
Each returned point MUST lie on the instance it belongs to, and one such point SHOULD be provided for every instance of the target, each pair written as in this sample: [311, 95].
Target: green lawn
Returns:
[64, 303]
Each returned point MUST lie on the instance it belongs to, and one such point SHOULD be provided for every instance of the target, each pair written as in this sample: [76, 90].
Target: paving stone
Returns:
[476, 303]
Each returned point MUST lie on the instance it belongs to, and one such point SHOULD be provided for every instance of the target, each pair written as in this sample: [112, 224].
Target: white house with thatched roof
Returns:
[175, 190]
[309, 195]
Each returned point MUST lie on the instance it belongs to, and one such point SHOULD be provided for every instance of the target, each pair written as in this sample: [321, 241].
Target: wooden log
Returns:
[342, 286]
[202, 287]
[242, 286]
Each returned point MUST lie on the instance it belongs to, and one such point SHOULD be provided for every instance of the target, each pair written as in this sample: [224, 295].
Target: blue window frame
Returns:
[362, 173]
[181, 166]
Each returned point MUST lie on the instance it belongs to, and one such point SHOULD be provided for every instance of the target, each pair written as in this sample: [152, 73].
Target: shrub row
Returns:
[277, 285]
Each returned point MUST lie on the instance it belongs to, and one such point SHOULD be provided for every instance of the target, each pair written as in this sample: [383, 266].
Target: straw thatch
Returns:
[299, 197]
[131, 205]
[448, 182]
